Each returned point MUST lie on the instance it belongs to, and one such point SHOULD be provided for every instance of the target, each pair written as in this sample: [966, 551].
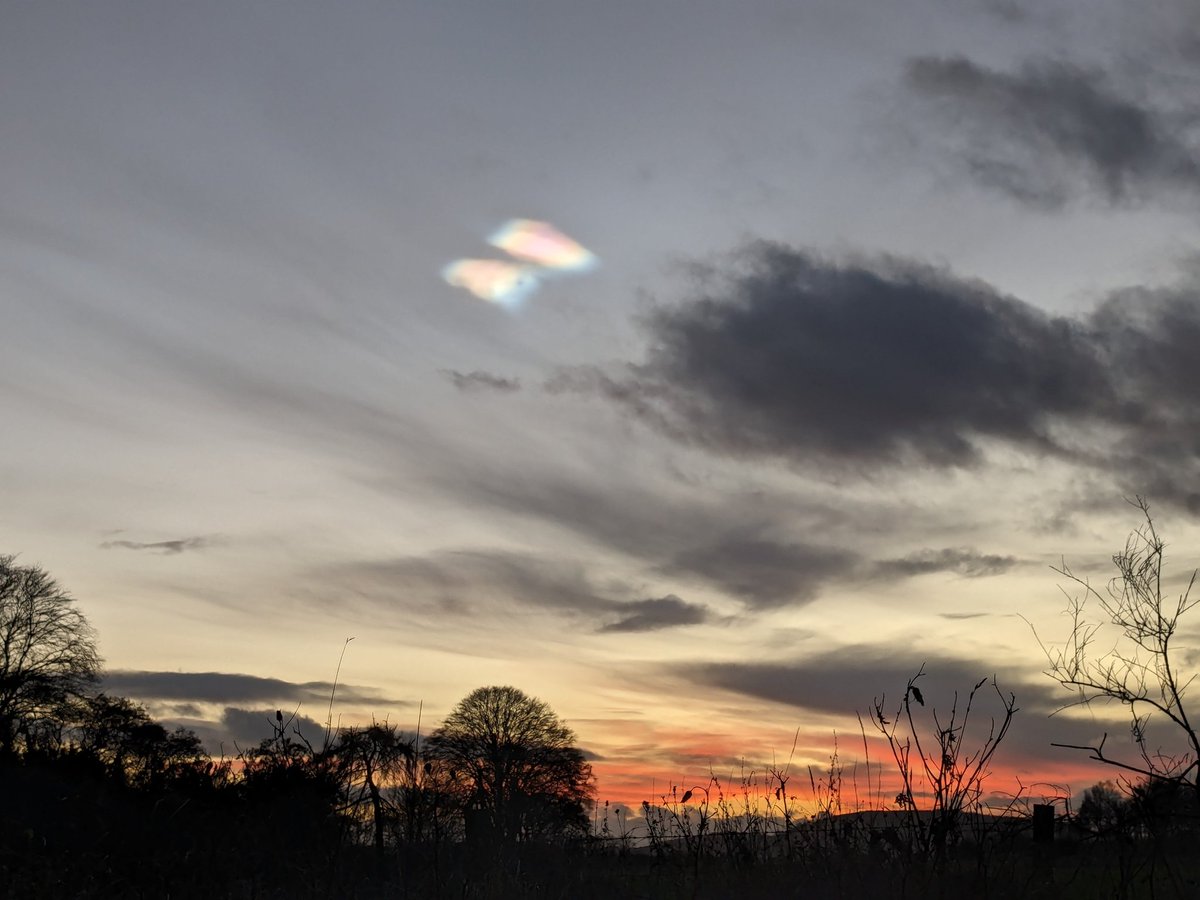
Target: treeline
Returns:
[97, 799]
[110, 803]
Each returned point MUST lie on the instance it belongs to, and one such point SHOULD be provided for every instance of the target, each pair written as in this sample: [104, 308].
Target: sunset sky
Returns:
[889, 313]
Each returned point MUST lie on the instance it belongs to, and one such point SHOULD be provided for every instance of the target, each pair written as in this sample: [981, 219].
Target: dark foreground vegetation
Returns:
[99, 800]
[297, 824]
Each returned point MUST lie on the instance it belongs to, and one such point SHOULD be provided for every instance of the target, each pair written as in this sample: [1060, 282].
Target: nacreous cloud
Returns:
[886, 362]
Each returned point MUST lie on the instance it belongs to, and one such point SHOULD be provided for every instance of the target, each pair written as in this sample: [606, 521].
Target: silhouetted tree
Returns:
[292, 794]
[1104, 809]
[135, 749]
[1141, 669]
[1164, 806]
[373, 758]
[47, 651]
[517, 764]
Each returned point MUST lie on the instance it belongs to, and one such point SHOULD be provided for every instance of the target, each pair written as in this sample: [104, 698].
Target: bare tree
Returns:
[1141, 669]
[373, 758]
[518, 764]
[47, 650]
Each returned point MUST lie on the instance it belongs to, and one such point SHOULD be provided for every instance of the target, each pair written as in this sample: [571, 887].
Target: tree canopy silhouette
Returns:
[47, 652]
[134, 749]
[517, 764]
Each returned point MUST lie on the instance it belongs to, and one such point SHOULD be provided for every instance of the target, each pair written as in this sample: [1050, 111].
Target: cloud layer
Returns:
[233, 688]
[1051, 127]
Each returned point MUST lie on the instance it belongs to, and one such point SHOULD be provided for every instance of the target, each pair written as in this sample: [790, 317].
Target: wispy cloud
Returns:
[478, 380]
[1035, 131]
[656, 614]
[457, 582]
[965, 561]
[765, 573]
[164, 547]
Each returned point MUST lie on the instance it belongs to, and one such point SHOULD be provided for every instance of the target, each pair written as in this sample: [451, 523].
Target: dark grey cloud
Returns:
[164, 547]
[234, 688]
[965, 561]
[870, 363]
[796, 356]
[1035, 131]
[481, 381]
[765, 573]
[1150, 338]
[656, 614]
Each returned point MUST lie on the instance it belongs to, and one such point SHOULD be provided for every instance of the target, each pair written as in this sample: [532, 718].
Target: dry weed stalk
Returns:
[952, 775]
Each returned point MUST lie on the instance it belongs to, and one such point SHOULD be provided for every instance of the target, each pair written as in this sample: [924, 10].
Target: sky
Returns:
[890, 313]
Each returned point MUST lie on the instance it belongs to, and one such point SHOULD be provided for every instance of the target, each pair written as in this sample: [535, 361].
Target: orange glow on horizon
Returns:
[641, 773]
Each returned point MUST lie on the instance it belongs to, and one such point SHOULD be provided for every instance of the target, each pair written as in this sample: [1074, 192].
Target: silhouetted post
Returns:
[1043, 823]
[1043, 843]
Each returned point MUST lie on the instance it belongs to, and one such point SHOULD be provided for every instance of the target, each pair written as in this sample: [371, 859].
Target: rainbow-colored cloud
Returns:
[543, 251]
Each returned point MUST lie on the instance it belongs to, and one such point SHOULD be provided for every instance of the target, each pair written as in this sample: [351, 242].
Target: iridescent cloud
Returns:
[541, 250]
[542, 244]
[495, 280]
